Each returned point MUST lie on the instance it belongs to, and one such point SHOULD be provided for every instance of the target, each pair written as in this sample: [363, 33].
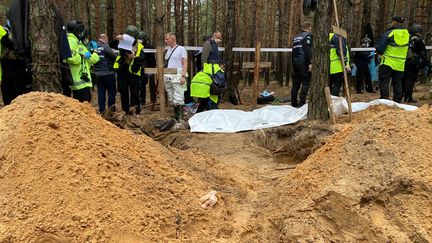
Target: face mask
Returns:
[140, 41]
[218, 41]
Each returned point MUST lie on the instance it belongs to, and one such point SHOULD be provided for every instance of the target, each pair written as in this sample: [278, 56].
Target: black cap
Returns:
[398, 19]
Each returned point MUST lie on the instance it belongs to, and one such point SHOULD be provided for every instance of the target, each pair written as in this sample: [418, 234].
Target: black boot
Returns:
[176, 112]
[180, 113]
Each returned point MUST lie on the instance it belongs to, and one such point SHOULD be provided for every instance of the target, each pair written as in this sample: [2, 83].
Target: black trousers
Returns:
[128, 86]
[82, 94]
[301, 78]
[143, 88]
[207, 104]
[11, 89]
[363, 76]
[408, 80]
[385, 74]
[336, 82]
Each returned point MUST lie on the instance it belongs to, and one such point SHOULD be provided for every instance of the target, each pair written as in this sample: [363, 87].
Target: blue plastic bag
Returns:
[354, 71]
[373, 69]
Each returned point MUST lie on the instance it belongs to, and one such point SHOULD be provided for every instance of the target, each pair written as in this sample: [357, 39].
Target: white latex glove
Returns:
[209, 200]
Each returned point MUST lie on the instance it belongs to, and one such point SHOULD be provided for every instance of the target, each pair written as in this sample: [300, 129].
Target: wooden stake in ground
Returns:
[330, 104]
[160, 65]
[346, 85]
[256, 74]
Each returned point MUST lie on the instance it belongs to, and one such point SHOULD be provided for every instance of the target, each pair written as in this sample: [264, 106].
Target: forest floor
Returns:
[368, 180]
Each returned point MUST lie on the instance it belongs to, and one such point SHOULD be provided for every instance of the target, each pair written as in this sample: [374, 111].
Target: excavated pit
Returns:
[292, 144]
[288, 145]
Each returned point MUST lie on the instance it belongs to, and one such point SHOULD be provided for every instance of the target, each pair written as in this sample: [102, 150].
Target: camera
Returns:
[85, 77]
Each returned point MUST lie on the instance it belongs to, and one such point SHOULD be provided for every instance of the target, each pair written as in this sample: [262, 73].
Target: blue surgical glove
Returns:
[87, 55]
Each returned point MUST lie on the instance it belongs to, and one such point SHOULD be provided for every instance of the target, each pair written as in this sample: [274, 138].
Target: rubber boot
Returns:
[180, 113]
[176, 112]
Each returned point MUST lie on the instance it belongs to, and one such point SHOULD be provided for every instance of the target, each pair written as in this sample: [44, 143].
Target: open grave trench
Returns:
[288, 145]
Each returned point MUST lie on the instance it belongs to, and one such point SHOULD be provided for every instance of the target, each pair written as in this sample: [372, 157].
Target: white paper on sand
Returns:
[230, 121]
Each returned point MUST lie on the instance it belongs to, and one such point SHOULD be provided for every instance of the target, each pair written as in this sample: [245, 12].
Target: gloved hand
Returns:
[348, 68]
[87, 55]
[209, 200]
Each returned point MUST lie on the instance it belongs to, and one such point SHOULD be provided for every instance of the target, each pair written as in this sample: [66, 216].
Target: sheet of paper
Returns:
[126, 43]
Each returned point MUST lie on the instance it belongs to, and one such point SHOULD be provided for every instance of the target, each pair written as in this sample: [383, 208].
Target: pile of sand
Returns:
[371, 182]
[66, 172]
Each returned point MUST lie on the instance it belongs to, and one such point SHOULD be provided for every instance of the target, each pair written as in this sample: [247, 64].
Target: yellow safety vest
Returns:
[395, 55]
[200, 84]
[117, 65]
[3, 33]
[140, 47]
[335, 61]
[79, 67]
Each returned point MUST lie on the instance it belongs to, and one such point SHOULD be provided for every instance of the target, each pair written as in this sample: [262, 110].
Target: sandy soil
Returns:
[68, 175]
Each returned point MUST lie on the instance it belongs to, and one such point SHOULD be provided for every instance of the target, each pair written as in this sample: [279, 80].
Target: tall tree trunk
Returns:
[317, 108]
[230, 41]
[89, 18]
[110, 18]
[44, 46]
[182, 21]
[65, 8]
[381, 21]
[215, 14]
[120, 21]
[97, 19]
[168, 15]
[429, 24]
[177, 20]
[190, 25]
[144, 16]
[133, 12]
[159, 23]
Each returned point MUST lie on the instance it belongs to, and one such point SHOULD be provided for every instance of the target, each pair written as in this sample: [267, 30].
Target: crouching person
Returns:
[175, 84]
[207, 85]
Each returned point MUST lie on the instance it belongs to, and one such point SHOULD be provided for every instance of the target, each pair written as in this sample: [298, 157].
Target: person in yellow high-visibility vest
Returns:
[3, 33]
[80, 62]
[393, 48]
[336, 66]
[201, 86]
[128, 66]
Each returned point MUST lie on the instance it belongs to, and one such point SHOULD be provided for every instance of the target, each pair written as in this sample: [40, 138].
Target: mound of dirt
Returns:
[66, 173]
[371, 182]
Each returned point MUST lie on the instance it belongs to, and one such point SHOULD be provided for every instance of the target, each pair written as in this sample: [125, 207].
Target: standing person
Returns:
[80, 62]
[393, 46]
[302, 64]
[210, 55]
[149, 62]
[128, 68]
[15, 78]
[197, 56]
[175, 84]
[417, 60]
[210, 52]
[336, 66]
[363, 75]
[104, 73]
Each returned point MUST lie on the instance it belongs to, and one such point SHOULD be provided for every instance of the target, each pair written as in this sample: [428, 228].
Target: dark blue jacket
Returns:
[385, 40]
[302, 49]
[106, 60]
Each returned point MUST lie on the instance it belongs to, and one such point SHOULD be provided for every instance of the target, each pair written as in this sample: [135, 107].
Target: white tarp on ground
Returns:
[229, 121]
